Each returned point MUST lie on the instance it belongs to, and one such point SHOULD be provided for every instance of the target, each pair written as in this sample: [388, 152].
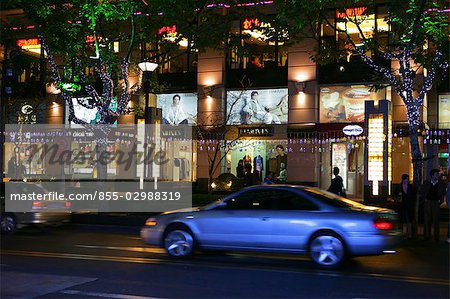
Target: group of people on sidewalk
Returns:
[431, 195]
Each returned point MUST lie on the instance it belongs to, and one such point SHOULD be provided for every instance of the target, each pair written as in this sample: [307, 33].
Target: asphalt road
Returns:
[83, 261]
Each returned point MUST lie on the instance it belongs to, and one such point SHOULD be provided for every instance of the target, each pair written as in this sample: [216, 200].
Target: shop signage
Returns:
[167, 30]
[256, 132]
[353, 130]
[250, 23]
[24, 43]
[172, 133]
[351, 12]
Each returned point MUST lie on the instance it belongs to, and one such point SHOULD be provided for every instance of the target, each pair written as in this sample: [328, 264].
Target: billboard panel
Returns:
[178, 108]
[263, 106]
[346, 103]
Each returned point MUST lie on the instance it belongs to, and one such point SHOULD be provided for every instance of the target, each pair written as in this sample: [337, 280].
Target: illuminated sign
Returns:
[375, 141]
[256, 132]
[167, 30]
[351, 12]
[25, 43]
[353, 130]
[90, 39]
[248, 24]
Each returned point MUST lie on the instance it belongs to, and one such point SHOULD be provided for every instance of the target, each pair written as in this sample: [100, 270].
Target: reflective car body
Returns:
[278, 218]
[42, 213]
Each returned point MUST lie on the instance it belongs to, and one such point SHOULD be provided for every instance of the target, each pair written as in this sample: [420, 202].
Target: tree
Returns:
[416, 38]
[212, 132]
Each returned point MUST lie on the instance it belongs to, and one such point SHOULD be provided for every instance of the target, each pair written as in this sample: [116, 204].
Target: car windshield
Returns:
[334, 200]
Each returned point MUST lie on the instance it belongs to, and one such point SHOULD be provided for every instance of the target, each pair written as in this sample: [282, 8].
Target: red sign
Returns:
[167, 30]
[27, 42]
[351, 12]
[250, 23]
[90, 39]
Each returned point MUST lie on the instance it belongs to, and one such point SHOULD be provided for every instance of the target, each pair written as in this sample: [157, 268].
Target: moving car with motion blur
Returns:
[38, 213]
[281, 219]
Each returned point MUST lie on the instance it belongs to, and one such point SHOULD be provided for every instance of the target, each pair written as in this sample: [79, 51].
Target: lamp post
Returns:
[147, 68]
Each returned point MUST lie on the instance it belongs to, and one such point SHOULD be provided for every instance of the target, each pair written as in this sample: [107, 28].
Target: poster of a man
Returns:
[176, 115]
[178, 109]
[266, 106]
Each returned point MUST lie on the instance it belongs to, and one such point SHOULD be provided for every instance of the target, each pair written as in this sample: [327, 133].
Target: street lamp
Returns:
[147, 67]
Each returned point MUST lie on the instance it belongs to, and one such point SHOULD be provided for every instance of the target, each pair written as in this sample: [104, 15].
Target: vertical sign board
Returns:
[339, 160]
[378, 154]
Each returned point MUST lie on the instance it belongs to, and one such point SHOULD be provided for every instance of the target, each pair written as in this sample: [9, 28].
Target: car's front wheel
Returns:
[327, 250]
[8, 224]
[179, 242]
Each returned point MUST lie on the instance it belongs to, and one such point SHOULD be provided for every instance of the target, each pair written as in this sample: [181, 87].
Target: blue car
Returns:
[281, 219]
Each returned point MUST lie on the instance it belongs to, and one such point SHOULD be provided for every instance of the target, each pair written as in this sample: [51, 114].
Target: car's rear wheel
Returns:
[327, 250]
[8, 224]
[179, 242]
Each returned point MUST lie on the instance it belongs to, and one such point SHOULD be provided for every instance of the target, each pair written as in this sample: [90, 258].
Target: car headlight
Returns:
[213, 185]
[151, 222]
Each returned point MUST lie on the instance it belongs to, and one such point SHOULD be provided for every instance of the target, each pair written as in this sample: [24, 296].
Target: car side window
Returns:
[251, 200]
[288, 200]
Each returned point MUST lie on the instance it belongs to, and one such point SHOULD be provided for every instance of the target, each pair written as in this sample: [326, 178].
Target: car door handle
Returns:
[265, 218]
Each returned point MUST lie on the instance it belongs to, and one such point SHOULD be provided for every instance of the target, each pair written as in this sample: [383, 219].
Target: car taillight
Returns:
[37, 204]
[383, 224]
[68, 204]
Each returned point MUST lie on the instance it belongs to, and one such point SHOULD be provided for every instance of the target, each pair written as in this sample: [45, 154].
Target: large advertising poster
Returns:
[346, 103]
[262, 106]
[178, 108]
[444, 111]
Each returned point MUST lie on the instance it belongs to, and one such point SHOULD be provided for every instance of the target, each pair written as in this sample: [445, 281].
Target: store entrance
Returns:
[348, 156]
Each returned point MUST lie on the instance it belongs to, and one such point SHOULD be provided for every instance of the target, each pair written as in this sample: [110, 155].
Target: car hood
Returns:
[186, 210]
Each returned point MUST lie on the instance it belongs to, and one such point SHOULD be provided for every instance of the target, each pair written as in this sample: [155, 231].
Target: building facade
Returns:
[278, 109]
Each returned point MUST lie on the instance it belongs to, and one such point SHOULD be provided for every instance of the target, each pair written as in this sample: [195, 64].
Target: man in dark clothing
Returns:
[408, 197]
[249, 177]
[337, 184]
[12, 167]
[433, 192]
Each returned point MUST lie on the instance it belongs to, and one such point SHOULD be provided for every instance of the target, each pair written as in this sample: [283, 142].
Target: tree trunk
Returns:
[210, 176]
[417, 171]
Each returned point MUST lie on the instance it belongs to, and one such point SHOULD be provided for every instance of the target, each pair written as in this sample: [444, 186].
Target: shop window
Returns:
[175, 54]
[254, 43]
[360, 24]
